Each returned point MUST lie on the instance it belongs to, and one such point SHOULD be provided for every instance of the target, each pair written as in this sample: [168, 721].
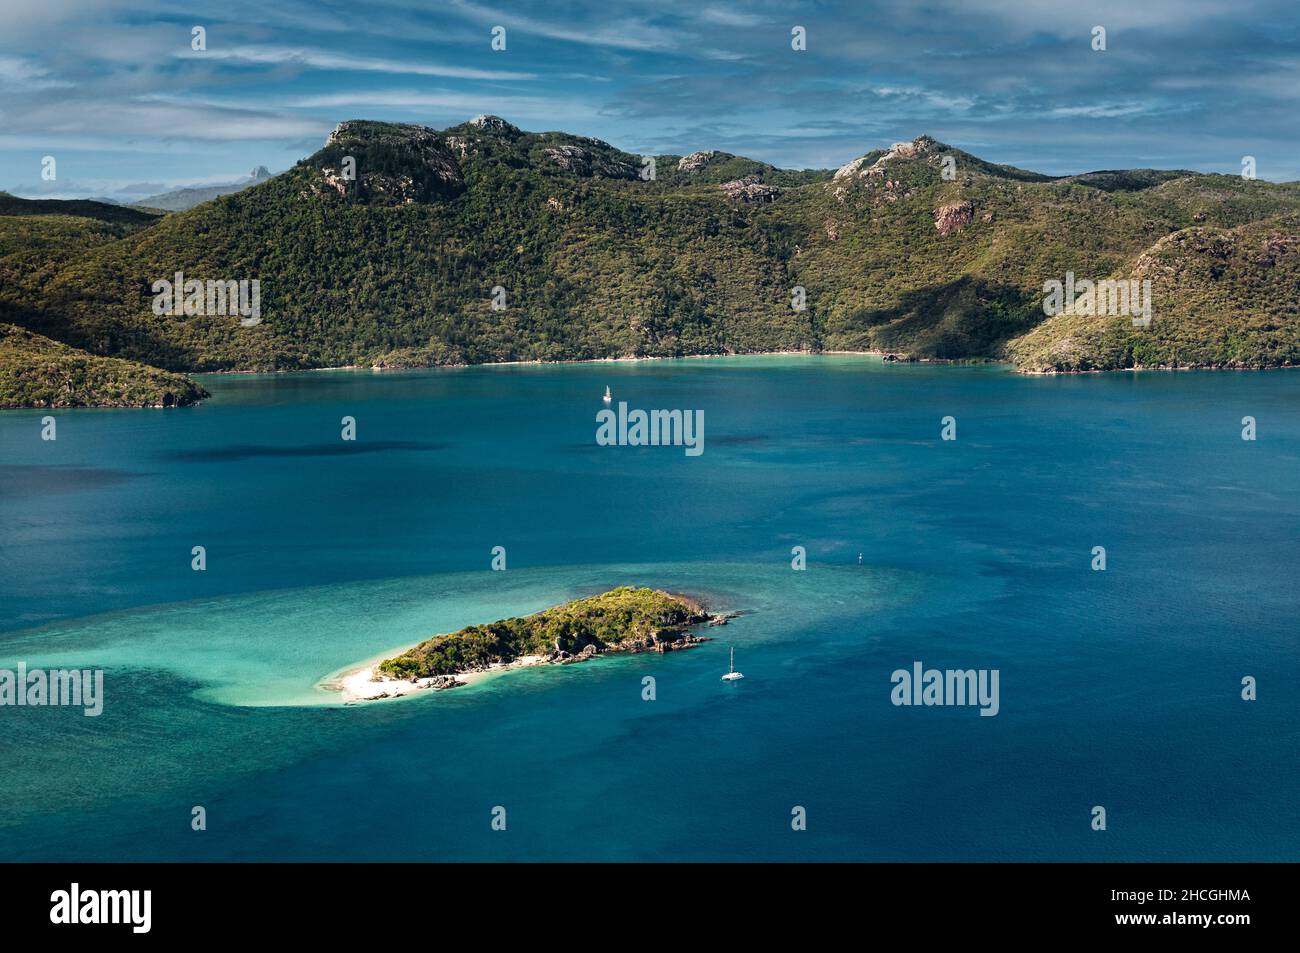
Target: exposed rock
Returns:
[555, 204]
[854, 167]
[589, 162]
[859, 167]
[431, 169]
[696, 160]
[832, 231]
[589, 651]
[750, 189]
[952, 217]
[672, 641]
[494, 124]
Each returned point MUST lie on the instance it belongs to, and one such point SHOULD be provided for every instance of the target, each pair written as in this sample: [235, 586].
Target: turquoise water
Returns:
[1118, 688]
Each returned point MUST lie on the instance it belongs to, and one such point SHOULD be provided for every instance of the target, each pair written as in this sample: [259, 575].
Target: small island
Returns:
[625, 619]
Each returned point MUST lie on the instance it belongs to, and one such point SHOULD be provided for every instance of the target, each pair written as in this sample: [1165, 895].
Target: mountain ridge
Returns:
[178, 200]
[483, 242]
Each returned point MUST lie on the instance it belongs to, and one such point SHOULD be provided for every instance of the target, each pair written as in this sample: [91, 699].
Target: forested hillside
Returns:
[402, 245]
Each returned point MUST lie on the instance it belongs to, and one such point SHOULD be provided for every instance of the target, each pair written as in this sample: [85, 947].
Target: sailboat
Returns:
[608, 396]
[732, 675]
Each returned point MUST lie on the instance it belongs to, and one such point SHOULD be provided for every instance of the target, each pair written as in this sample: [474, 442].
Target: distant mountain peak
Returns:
[490, 123]
[260, 174]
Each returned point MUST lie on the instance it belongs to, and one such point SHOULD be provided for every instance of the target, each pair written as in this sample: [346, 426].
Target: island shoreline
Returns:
[363, 682]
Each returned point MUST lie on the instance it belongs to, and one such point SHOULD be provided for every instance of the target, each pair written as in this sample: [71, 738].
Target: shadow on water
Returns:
[43, 480]
[252, 451]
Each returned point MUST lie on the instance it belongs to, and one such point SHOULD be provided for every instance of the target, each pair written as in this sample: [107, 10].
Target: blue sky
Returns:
[114, 92]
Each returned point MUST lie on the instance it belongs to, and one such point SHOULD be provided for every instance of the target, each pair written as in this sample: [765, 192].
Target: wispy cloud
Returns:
[113, 86]
[324, 60]
[464, 105]
[624, 32]
[18, 74]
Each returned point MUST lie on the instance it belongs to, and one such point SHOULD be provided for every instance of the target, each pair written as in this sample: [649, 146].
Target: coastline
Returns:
[889, 357]
[626, 359]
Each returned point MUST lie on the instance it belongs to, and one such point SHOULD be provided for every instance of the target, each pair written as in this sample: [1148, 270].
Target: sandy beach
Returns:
[366, 683]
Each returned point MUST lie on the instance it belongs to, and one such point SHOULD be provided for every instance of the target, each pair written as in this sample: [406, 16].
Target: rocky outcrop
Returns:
[665, 641]
[417, 165]
[494, 124]
[953, 217]
[861, 167]
[697, 160]
[749, 189]
[439, 682]
[590, 161]
[876, 171]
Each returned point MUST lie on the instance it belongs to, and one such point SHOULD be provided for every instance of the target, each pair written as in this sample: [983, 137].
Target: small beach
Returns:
[366, 683]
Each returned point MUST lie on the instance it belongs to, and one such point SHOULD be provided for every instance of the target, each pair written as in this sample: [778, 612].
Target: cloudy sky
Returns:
[116, 94]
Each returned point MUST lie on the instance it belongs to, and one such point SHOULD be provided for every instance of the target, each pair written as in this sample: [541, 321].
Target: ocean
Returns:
[1119, 688]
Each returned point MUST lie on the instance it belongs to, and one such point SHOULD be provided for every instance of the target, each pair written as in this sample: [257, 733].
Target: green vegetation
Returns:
[1223, 297]
[397, 266]
[613, 619]
[81, 208]
[38, 372]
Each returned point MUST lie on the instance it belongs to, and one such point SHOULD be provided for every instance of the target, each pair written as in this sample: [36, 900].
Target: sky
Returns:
[116, 95]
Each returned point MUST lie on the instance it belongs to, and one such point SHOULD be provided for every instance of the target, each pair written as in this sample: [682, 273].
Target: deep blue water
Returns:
[1119, 688]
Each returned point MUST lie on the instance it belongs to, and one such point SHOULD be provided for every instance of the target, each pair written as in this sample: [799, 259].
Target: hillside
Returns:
[38, 372]
[12, 205]
[398, 265]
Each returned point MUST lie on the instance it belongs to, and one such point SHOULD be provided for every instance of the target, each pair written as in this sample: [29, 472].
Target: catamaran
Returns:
[732, 675]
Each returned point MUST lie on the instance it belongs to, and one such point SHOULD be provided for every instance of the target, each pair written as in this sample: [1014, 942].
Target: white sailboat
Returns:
[608, 396]
[732, 675]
